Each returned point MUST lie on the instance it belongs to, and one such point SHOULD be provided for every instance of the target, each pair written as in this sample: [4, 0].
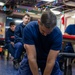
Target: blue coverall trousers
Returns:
[25, 70]
[18, 50]
[10, 49]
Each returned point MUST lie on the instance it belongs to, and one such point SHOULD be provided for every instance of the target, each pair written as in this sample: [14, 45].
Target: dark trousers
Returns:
[10, 49]
[18, 50]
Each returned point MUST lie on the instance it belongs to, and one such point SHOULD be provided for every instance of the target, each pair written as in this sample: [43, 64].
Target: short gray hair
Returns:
[48, 19]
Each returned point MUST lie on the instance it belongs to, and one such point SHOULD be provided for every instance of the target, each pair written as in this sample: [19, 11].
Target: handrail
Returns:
[67, 55]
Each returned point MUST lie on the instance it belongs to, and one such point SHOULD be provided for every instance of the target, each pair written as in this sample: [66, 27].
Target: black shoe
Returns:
[16, 64]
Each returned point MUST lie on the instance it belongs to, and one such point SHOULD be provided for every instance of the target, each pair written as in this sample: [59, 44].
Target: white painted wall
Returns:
[68, 20]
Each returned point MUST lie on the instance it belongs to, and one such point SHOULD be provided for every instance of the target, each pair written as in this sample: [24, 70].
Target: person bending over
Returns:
[42, 41]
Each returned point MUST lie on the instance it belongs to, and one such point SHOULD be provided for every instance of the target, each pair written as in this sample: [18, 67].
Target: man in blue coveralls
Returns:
[42, 41]
[70, 30]
[19, 40]
[9, 38]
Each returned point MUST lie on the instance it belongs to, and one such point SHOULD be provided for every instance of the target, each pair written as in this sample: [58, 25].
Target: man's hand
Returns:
[31, 54]
[50, 62]
[12, 43]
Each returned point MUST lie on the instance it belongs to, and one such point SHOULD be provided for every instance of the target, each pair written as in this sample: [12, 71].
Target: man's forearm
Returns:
[33, 67]
[48, 69]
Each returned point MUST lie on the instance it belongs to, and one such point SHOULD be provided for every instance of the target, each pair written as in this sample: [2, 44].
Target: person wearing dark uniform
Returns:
[9, 38]
[42, 41]
[70, 30]
[19, 40]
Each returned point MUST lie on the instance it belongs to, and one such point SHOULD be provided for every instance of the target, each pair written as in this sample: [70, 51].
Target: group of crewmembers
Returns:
[42, 41]
[14, 41]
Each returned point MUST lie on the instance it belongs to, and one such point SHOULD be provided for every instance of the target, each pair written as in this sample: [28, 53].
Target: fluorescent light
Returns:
[1, 4]
[18, 21]
[49, 0]
[6, 26]
[73, 16]
[9, 18]
[56, 12]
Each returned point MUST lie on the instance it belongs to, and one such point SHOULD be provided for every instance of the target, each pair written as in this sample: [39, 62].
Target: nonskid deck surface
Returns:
[6, 67]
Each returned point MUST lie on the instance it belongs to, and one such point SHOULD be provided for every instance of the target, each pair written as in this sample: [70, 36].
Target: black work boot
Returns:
[16, 64]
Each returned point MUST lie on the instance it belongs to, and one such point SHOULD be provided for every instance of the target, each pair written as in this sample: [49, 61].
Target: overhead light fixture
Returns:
[2, 4]
[9, 18]
[73, 16]
[49, 0]
[55, 12]
[18, 21]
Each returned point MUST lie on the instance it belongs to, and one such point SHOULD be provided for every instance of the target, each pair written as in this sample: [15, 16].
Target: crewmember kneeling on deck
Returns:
[42, 41]
[9, 39]
[19, 40]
